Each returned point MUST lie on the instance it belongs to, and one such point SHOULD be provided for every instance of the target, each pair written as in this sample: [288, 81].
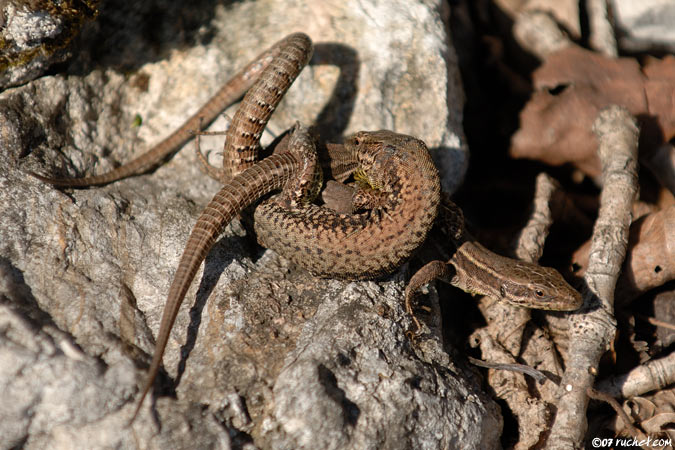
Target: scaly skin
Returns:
[355, 246]
[477, 270]
[401, 194]
[300, 48]
[368, 244]
[270, 174]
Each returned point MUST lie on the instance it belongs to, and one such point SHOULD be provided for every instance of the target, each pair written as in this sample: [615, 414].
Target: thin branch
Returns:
[657, 323]
[538, 32]
[531, 413]
[653, 375]
[592, 330]
[510, 336]
[628, 422]
[520, 368]
[532, 237]
[602, 36]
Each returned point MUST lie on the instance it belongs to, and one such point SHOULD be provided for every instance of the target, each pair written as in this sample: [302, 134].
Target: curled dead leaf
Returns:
[571, 88]
[650, 259]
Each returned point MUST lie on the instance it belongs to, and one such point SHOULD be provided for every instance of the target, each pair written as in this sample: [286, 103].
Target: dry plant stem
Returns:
[530, 412]
[520, 368]
[602, 35]
[657, 323]
[539, 33]
[502, 340]
[650, 261]
[544, 345]
[651, 376]
[604, 397]
[592, 332]
[531, 240]
[506, 322]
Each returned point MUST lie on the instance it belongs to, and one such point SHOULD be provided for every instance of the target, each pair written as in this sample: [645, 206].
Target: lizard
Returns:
[477, 270]
[329, 244]
[348, 246]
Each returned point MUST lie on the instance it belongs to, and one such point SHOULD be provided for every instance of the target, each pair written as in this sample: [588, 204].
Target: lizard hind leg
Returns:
[305, 186]
[206, 167]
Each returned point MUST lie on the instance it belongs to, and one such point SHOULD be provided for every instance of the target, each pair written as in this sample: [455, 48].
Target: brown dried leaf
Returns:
[656, 424]
[650, 260]
[640, 408]
[652, 413]
[665, 400]
[556, 126]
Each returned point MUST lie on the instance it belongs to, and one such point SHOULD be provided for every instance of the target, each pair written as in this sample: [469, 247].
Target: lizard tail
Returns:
[244, 189]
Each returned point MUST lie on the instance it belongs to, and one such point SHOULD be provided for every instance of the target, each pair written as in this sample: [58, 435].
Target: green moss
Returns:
[73, 15]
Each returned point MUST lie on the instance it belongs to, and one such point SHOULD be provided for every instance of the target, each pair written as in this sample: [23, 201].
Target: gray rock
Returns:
[264, 355]
[35, 35]
[366, 385]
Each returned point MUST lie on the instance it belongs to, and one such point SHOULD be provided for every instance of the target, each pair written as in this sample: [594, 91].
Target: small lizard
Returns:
[475, 269]
[329, 244]
[348, 246]
[372, 243]
[289, 169]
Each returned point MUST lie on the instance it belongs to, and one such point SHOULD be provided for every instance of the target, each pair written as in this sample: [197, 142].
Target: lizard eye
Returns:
[502, 291]
[539, 293]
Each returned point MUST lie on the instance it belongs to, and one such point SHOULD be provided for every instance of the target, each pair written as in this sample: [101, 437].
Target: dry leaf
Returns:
[650, 259]
[572, 86]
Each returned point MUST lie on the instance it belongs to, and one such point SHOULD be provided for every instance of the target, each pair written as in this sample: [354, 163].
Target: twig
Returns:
[592, 331]
[520, 368]
[529, 247]
[510, 328]
[605, 397]
[532, 236]
[511, 387]
[657, 323]
[602, 35]
[653, 375]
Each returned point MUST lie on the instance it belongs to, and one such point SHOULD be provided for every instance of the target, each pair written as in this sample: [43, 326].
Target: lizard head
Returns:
[380, 154]
[540, 288]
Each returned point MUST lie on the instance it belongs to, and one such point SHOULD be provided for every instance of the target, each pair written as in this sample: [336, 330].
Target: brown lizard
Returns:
[350, 246]
[475, 269]
[354, 246]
